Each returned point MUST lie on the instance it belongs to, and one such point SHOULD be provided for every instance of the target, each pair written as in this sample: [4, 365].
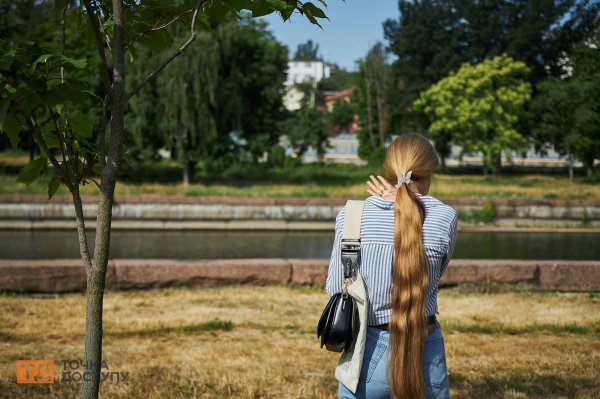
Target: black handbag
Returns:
[339, 323]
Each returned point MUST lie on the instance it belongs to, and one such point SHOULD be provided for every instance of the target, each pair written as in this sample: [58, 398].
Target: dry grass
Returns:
[259, 342]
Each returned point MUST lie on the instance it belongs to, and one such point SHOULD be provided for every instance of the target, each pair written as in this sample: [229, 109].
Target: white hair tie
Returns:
[404, 179]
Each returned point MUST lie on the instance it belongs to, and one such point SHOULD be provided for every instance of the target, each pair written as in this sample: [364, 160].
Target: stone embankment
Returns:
[67, 275]
[230, 213]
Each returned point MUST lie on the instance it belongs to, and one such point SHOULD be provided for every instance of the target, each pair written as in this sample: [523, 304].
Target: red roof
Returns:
[340, 94]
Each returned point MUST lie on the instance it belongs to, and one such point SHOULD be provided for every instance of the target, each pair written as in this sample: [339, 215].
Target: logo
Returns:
[73, 370]
[35, 371]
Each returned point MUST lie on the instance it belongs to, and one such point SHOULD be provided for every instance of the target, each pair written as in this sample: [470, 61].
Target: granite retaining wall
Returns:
[227, 213]
[68, 275]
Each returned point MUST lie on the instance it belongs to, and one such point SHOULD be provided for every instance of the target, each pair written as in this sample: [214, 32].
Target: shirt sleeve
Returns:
[335, 275]
[451, 243]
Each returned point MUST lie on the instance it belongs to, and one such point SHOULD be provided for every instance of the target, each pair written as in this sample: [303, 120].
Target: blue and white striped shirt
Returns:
[377, 242]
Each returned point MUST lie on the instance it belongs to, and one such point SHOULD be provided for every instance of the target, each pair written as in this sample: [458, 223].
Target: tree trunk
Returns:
[497, 164]
[188, 172]
[570, 160]
[96, 271]
[380, 117]
[188, 165]
[369, 110]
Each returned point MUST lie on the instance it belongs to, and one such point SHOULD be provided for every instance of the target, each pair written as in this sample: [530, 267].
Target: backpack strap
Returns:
[350, 246]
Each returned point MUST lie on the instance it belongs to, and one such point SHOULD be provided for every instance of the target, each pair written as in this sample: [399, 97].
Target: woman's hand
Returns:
[379, 187]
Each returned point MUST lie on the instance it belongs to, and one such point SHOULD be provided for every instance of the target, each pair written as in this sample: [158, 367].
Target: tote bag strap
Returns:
[350, 246]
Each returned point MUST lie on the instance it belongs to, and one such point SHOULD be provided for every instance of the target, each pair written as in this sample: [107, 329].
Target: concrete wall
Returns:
[165, 212]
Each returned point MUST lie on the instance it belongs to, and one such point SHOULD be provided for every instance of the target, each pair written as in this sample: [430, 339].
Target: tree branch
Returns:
[104, 77]
[156, 28]
[80, 221]
[37, 135]
[102, 132]
[166, 62]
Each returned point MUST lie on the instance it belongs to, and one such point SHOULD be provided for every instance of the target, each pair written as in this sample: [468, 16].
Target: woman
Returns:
[407, 239]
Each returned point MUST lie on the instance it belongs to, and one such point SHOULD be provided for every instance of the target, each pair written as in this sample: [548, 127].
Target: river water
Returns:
[47, 244]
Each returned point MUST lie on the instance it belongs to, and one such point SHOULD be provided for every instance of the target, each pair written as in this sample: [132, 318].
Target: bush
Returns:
[593, 179]
[276, 156]
[486, 214]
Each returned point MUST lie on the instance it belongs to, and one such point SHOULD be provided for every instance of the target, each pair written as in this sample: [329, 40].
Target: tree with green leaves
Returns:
[306, 128]
[432, 38]
[341, 115]
[480, 105]
[40, 90]
[232, 80]
[338, 79]
[569, 108]
[371, 99]
[308, 51]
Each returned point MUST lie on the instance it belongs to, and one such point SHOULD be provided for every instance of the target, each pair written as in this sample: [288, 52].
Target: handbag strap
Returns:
[350, 246]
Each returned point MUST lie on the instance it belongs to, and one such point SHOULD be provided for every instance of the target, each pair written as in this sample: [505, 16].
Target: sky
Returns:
[355, 26]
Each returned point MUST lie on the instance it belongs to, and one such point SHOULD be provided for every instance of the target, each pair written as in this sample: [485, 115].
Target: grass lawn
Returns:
[259, 342]
[333, 181]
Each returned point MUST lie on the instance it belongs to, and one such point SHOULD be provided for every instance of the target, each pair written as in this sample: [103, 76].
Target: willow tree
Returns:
[38, 93]
[230, 83]
[481, 106]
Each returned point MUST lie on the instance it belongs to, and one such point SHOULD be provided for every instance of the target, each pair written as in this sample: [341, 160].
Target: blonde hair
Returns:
[408, 324]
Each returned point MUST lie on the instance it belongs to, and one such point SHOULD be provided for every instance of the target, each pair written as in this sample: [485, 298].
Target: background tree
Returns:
[371, 102]
[306, 128]
[481, 105]
[341, 116]
[231, 81]
[308, 51]
[432, 38]
[569, 108]
[339, 79]
[39, 93]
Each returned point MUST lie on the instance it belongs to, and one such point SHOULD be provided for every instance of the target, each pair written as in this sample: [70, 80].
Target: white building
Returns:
[301, 72]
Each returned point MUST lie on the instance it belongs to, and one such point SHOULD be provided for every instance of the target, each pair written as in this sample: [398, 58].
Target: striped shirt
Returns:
[377, 243]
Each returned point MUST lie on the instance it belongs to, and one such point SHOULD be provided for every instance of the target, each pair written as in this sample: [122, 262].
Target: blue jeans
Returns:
[373, 375]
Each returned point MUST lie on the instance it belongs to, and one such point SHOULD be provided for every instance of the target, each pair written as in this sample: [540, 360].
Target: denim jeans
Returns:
[373, 375]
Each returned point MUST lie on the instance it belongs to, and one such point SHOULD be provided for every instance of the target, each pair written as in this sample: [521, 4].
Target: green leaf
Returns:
[260, 10]
[32, 170]
[314, 10]
[157, 41]
[42, 58]
[4, 103]
[6, 60]
[287, 13]
[241, 4]
[218, 11]
[81, 125]
[53, 185]
[132, 53]
[78, 63]
[11, 126]
[60, 5]
[312, 19]
[35, 84]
